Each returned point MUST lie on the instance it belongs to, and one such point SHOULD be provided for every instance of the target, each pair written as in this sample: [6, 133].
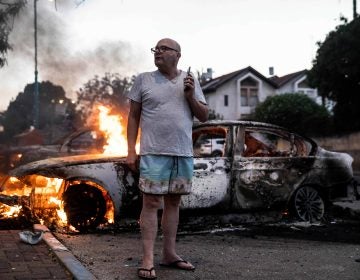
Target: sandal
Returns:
[175, 264]
[146, 270]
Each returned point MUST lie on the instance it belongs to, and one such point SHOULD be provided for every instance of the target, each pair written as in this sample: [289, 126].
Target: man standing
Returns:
[164, 102]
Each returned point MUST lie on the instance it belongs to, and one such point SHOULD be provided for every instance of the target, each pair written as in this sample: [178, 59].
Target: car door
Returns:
[211, 176]
[268, 165]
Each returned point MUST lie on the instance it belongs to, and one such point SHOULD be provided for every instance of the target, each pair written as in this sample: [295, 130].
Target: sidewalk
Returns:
[19, 260]
[48, 259]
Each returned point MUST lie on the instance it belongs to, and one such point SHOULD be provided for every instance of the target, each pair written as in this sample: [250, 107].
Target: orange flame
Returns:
[44, 192]
[10, 211]
[115, 133]
[60, 212]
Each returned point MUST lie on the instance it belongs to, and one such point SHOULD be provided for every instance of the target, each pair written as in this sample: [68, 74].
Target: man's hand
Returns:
[189, 87]
[132, 161]
[199, 110]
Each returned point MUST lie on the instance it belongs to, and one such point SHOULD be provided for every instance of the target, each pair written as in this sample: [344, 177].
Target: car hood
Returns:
[51, 163]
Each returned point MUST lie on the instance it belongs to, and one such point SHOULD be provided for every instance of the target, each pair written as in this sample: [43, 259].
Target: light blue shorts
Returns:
[165, 174]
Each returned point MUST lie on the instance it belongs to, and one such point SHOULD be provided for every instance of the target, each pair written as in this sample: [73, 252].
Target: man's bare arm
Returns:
[132, 133]
[200, 110]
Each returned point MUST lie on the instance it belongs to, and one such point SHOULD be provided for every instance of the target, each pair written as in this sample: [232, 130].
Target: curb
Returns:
[73, 265]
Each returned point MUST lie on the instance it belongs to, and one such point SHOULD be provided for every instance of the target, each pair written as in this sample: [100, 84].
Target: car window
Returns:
[267, 144]
[209, 141]
[303, 147]
[88, 142]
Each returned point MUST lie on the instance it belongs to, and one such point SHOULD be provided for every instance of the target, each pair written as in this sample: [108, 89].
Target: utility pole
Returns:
[354, 9]
[36, 86]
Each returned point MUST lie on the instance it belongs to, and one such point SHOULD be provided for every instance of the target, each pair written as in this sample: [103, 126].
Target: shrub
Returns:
[297, 112]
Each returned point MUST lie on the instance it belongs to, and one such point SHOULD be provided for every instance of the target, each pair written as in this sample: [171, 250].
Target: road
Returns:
[226, 247]
[264, 251]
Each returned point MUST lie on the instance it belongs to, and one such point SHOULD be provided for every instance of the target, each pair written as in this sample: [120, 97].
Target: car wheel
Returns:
[308, 205]
[84, 206]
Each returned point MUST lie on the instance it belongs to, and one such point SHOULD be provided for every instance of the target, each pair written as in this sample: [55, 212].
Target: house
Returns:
[236, 95]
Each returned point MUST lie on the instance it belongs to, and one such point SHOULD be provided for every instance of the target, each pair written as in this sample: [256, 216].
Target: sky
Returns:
[80, 39]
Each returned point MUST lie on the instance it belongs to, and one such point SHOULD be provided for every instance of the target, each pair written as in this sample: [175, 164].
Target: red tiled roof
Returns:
[284, 79]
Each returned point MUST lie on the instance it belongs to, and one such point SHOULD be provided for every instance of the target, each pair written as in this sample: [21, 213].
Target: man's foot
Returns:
[145, 273]
[179, 264]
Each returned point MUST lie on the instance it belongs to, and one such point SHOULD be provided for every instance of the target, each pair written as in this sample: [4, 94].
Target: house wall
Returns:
[216, 101]
[265, 92]
[293, 86]
[233, 111]
[289, 87]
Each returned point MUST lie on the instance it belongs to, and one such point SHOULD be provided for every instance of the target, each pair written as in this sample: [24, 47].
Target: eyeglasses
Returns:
[162, 49]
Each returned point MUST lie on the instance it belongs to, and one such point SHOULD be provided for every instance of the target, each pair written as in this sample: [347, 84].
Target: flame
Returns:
[116, 142]
[114, 129]
[43, 192]
[10, 211]
[15, 187]
[60, 212]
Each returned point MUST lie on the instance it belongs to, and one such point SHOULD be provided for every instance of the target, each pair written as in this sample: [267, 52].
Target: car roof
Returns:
[237, 123]
[253, 124]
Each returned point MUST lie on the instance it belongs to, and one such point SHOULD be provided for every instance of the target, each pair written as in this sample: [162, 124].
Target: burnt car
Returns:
[259, 167]
[82, 141]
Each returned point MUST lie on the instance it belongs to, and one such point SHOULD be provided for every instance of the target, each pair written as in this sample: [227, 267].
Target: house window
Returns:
[226, 100]
[249, 92]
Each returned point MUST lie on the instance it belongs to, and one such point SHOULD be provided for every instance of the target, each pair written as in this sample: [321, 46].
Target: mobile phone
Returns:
[187, 74]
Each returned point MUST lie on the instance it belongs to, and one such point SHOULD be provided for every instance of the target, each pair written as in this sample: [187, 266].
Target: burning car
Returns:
[86, 140]
[261, 166]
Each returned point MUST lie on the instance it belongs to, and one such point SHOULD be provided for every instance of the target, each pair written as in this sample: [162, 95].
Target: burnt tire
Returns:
[308, 204]
[84, 206]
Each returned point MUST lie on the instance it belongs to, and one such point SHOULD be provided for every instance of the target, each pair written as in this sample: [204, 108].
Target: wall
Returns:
[233, 110]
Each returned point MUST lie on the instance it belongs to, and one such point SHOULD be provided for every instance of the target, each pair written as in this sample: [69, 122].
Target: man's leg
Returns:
[169, 224]
[148, 226]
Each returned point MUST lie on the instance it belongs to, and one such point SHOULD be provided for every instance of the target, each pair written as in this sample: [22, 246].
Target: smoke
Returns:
[59, 59]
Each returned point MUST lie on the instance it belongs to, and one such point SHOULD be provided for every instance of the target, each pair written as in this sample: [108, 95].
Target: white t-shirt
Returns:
[166, 119]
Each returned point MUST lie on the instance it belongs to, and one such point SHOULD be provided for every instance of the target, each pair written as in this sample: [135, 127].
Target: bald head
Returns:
[170, 43]
[167, 56]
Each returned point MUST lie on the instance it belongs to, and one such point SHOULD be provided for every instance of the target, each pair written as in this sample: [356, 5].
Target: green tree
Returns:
[295, 111]
[8, 11]
[336, 74]
[110, 90]
[55, 109]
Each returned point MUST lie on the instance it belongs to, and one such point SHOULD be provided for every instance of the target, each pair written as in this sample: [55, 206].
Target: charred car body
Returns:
[79, 142]
[260, 166]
